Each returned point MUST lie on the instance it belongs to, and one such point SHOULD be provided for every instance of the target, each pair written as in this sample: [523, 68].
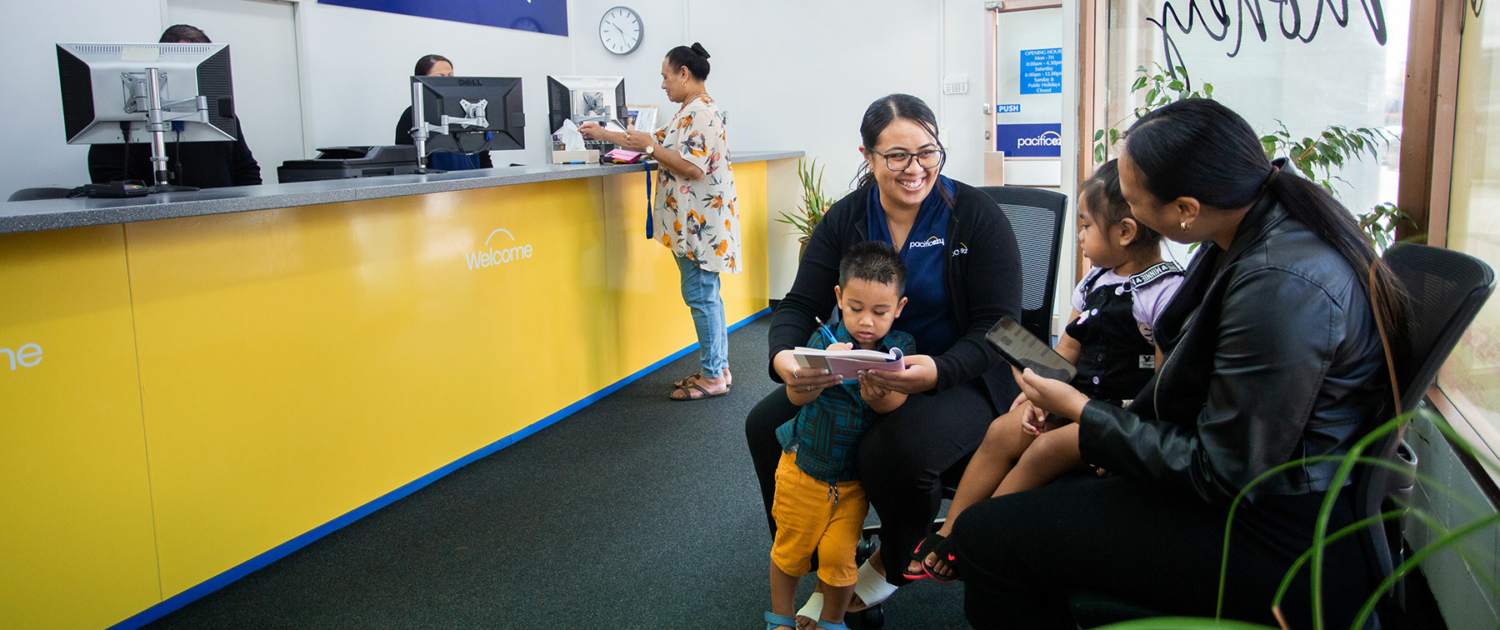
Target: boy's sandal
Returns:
[773, 620]
[829, 625]
[872, 588]
[687, 396]
[813, 609]
[919, 555]
[944, 551]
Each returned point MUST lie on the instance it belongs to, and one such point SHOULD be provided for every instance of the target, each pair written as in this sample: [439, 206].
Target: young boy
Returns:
[819, 506]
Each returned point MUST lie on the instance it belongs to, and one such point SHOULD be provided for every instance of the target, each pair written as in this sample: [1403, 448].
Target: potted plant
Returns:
[814, 203]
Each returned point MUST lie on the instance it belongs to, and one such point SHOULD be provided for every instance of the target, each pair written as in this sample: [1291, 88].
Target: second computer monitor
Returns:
[584, 99]
[493, 101]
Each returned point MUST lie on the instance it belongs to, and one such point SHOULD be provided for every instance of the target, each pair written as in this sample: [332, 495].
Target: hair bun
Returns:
[702, 52]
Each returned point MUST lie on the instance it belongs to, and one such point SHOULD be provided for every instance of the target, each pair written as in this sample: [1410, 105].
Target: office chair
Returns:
[1446, 290]
[33, 194]
[1036, 216]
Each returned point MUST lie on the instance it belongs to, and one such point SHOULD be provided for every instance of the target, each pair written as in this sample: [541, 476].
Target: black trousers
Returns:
[901, 461]
[1018, 554]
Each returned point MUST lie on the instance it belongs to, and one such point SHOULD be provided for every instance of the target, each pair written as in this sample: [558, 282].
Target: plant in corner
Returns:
[1312, 559]
[1315, 157]
[814, 203]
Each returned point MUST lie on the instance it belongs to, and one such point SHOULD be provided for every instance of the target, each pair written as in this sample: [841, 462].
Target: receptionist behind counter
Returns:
[439, 66]
[197, 164]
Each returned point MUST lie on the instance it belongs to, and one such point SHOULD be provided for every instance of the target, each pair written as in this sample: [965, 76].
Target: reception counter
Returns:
[196, 384]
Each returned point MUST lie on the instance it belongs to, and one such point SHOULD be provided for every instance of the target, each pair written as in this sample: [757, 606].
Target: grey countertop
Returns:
[53, 214]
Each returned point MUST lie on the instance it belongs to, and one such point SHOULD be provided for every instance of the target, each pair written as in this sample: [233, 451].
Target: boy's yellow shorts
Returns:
[808, 520]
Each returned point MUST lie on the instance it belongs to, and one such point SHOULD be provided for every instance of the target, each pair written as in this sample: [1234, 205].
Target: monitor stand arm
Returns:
[158, 119]
[420, 130]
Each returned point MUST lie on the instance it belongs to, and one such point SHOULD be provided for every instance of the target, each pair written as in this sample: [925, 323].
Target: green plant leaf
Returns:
[1098, 135]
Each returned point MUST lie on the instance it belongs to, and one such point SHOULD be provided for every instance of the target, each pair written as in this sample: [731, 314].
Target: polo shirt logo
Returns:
[962, 249]
[932, 241]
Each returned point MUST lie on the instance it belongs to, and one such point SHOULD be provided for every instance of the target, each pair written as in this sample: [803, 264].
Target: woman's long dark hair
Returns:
[425, 64]
[880, 115]
[1201, 149]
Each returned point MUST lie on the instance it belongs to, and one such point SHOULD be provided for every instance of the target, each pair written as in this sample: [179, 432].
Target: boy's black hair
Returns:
[873, 262]
[1106, 205]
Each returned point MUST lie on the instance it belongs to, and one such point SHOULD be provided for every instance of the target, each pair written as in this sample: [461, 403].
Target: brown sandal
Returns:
[689, 380]
[688, 396]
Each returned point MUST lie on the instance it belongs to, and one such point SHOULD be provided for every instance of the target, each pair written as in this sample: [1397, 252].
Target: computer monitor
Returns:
[104, 85]
[468, 114]
[584, 99]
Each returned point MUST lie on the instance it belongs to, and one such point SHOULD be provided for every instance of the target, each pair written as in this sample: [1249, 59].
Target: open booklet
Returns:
[848, 363]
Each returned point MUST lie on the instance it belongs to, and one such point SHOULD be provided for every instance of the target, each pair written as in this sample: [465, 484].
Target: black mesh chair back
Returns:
[1445, 291]
[1036, 216]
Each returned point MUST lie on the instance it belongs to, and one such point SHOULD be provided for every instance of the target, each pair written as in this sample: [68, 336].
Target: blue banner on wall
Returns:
[538, 16]
[1041, 71]
[1029, 140]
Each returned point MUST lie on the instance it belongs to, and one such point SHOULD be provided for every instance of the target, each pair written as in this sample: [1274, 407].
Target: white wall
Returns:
[36, 154]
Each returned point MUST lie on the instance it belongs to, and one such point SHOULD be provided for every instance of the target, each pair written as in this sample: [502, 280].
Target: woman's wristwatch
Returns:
[650, 149]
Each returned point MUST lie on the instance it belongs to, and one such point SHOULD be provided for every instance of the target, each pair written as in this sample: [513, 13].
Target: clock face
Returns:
[620, 30]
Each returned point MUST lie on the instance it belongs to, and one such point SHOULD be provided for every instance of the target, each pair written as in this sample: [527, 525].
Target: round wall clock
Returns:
[620, 30]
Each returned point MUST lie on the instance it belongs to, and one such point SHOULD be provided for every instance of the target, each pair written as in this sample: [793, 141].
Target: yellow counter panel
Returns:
[213, 387]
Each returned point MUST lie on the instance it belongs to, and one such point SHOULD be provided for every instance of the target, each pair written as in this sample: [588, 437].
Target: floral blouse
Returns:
[697, 219]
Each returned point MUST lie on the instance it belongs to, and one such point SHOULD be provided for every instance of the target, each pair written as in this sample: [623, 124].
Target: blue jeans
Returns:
[700, 290]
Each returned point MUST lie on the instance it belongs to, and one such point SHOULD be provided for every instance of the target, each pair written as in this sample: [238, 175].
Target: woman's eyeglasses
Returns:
[900, 160]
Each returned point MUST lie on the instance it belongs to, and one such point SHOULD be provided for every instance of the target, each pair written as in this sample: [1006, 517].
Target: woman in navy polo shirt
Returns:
[964, 274]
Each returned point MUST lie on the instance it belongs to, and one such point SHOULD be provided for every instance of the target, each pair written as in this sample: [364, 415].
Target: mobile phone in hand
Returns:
[1022, 349]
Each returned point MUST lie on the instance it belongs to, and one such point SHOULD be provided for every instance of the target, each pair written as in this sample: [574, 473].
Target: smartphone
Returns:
[1022, 349]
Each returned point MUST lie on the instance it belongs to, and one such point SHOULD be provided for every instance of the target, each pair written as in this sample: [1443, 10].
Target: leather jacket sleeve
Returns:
[1277, 335]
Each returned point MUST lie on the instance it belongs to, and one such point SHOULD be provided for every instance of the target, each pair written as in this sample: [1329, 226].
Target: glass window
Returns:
[1313, 67]
[1471, 377]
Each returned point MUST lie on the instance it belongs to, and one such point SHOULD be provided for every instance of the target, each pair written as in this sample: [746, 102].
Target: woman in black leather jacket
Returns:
[1272, 354]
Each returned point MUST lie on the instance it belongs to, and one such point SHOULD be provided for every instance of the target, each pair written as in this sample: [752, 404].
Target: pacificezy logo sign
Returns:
[932, 241]
[1029, 140]
[499, 252]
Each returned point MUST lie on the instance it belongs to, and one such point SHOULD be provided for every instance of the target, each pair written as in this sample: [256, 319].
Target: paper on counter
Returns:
[572, 139]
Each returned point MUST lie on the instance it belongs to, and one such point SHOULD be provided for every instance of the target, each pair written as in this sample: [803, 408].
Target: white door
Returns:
[262, 38]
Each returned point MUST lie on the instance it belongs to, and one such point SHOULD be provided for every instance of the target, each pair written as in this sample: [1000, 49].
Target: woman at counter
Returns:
[439, 66]
[694, 208]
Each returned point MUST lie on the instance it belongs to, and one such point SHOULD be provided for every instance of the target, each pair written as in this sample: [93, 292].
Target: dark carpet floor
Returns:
[635, 512]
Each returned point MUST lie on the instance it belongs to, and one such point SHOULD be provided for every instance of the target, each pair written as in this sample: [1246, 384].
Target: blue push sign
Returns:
[1041, 71]
[1008, 108]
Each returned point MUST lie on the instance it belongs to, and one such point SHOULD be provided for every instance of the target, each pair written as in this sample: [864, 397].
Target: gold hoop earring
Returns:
[1184, 226]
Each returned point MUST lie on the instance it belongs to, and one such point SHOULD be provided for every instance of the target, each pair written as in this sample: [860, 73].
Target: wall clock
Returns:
[620, 30]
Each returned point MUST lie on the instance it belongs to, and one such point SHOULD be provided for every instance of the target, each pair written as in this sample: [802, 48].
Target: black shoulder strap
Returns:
[1155, 272]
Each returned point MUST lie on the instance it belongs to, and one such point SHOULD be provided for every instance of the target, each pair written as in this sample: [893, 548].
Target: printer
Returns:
[351, 162]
